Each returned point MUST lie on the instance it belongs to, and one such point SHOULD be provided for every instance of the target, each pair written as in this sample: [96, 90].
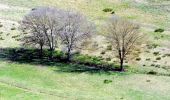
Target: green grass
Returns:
[24, 81]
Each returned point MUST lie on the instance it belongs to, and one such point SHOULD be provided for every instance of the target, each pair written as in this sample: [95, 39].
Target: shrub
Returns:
[168, 55]
[158, 58]
[92, 61]
[113, 12]
[107, 81]
[13, 28]
[1, 38]
[15, 36]
[138, 59]
[152, 64]
[159, 30]
[107, 9]
[103, 52]
[157, 66]
[152, 46]
[156, 53]
[152, 72]
[1, 25]
[1, 32]
[109, 47]
[148, 59]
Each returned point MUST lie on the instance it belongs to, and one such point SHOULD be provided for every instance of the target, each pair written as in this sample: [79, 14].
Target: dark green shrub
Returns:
[109, 47]
[158, 66]
[138, 59]
[1, 32]
[1, 25]
[158, 58]
[107, 9]
[159, 30]
[148, 59]
[152, 64]
[107, 81]
[156, 53]
[15, 36]
[13, 28]
[103, 52]
[113, 12]
[1, 38]
[168, 55]
[152, 72]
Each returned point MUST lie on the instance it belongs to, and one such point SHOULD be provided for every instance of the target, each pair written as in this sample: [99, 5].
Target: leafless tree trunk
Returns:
[123, 35]
[75, 30]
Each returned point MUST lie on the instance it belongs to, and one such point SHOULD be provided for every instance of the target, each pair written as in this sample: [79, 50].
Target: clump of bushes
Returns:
[103, 52]
[152, 72]
[13, 28]
[148, 59]
[107, 9]
[1, 38]
[156, 53]
[159, 30]
[152, 46]
[107, 81]
[15, 36]
[167, 55]
[109, 47]
[92, 61]
[1, 25]
[152, 64]
[158, 58]
[113, 12]
[138, 59]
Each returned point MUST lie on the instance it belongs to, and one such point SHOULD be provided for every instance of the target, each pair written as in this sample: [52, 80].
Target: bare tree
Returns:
[75, 30]
[44, 24]
[123, 36]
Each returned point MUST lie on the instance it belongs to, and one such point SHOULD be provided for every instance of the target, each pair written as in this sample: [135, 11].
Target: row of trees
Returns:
[51, 27]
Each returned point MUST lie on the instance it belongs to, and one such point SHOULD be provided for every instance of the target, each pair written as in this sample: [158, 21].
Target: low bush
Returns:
[158, 58]
[1, 38]
[13, 28]
[1, 25]
[107, 9]
[93, 61]
[148, 59]
[156, 53]
[109, 47]
[152, 72]
[103, 52]
[138, 59]
[107, 81]
[113, 12]
[159, 30]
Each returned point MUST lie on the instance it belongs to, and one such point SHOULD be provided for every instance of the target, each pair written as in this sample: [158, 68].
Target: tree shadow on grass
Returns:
[32, 56]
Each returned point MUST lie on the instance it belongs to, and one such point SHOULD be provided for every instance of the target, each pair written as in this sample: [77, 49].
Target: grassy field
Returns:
[28, 81]
[24, 82]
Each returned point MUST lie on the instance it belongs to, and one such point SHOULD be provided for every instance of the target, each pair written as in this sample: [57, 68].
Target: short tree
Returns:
[76, 29]
[123, 36]
[43, 24]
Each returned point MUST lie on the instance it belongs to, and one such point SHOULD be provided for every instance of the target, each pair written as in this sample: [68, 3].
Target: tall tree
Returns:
[43, 24]
[123, 35]
[76, 29]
